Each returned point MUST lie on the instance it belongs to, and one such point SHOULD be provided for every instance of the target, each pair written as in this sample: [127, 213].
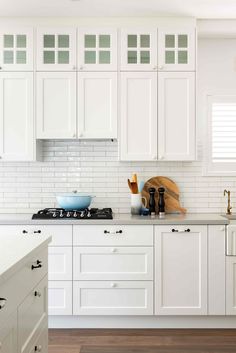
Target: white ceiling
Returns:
[90, 8]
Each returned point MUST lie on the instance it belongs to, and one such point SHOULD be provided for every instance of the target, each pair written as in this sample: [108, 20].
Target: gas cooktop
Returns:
[61, 213]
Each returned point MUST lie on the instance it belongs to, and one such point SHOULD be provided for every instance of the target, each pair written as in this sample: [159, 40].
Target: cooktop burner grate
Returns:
[61, 213]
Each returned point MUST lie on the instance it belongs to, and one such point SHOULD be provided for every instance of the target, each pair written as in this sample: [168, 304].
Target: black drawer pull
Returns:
[24, 231]
[181, 231]
[2, 303]
[38, 265]
[113, 232]
[37, 231]
[119, 231]
[38, 348]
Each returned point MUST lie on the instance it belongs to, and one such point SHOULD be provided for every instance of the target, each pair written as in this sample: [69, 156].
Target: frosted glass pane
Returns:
[170, 41]
[90, 41]
[104, 57]
[8, 57]
[63, 41]
[63, 57]
[132, 41]
[144, 41]
[182, 57]
[90, 57]
[144, 57]
[21, 57]
[170, 57]
[104, 41]
[132, 57]
[8, 41]
[49, 57]
[182, 41]
[49, 41]
[21, 41]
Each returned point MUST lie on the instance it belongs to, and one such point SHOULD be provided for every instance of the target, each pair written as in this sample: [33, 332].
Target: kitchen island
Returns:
[23, 293]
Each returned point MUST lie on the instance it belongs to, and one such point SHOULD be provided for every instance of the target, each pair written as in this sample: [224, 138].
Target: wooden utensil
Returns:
[134, 186]
[172, 204]
[130, 186]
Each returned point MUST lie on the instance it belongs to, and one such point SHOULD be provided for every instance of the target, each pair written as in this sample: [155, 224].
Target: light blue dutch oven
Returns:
[74, 200]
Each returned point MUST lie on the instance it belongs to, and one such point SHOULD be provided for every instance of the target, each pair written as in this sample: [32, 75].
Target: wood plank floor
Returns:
[142, 341]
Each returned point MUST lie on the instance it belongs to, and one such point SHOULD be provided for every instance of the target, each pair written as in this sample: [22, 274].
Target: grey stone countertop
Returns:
[189, 218]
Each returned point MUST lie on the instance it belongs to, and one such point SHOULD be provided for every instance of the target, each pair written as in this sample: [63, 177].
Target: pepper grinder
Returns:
[161, 202]
[152, 203]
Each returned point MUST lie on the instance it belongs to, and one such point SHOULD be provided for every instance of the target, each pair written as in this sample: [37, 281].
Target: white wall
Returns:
[93, 166]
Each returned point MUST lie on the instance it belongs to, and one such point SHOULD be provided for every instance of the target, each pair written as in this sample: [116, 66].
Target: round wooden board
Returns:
[172, 204]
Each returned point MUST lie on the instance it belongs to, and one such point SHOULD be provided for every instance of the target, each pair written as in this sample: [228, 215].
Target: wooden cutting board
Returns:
[172, 204]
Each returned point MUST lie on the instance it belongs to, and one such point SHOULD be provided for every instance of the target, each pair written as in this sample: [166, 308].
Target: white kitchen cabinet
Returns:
[176, 116]
[56, 105]
[60, 263]
[8, 335]
[97, 105]
[176, 49]
[113, 263]
[17, 116]
[56, 49]
[60, 297]
[230, 285]
[97, 49]
[16, 49]
[138, 131]
[138, 49]
[181, 270]
[216, 270]
[112, 298]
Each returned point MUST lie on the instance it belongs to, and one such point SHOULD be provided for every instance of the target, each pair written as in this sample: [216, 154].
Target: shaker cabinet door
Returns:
[176, 116]
[17, 118]
[97, 105]
[56, 105]
[138, 132]
[181, 270]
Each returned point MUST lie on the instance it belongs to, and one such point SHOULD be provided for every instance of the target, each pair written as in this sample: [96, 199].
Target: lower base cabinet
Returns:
[230, 285]
[60, 297]
[113, 298]
[8, 335]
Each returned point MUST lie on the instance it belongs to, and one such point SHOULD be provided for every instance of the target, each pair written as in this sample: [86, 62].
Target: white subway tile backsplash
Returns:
[93, 166]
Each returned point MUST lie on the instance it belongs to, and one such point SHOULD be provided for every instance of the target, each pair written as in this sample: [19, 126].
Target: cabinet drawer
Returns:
[112, 298]
[60, 263]
[61, 234]
[127, 235]
[39, 340]
[24, 280]
[32, 312]
[60, 297]
[113, 263]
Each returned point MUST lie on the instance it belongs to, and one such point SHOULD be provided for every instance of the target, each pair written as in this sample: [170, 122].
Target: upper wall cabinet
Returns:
[16, 49]
[176, 50]
[56, 105]
[97, 49]
[138, 132]
[138, 49]
[56, 49]
[97, 104]
[16, 116]
[176, 116]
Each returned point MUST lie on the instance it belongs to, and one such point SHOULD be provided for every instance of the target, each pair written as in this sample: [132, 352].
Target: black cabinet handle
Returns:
[119, 231]
[2, 303]
[24, 231]
[37, 231]
[38, 265]
[113, 232]
[180, 231]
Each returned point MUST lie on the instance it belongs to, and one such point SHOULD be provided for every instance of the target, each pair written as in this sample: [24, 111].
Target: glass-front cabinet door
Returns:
[139, 49]
[176, 50]
[97, 49]
[16, 49]
[56, 49]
